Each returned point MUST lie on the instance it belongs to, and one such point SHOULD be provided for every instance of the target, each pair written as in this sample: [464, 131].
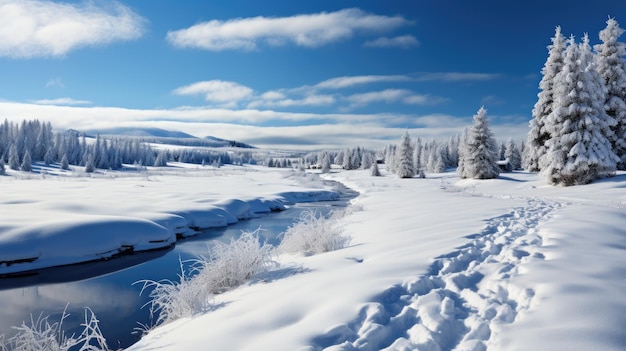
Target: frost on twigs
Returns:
[170, 300]
[225, 267]
[313, 234]
[230, 265]
[42, 334]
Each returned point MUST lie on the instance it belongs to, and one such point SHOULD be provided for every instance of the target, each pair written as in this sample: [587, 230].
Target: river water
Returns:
[108, 288]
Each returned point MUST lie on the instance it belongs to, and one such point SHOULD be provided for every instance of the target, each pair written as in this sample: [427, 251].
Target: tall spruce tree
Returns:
[538, 134]
[405, 168]
[611, 66]
[513, 155]
[578, 149]
[479, 150]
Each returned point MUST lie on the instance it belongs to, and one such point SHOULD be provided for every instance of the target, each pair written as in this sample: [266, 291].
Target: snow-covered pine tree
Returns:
[417, 155]
[502, 151]
[325, 163]
[65, 164]
[578, 150]
[513, 154]
[14, 158]
[479, 152]
[161, 159]
[89, 164]
[391, 159]
[611, 67]
[405, 167]
[366, 161]
[347, 161]
[538, 135]
[27, 161]
[374, 171]
[460, 168]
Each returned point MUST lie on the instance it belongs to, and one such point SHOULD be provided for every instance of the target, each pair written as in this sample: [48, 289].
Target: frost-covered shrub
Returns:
[313, 234]
[41, 334]
[170, 300]
[230, 265]
[226, 266]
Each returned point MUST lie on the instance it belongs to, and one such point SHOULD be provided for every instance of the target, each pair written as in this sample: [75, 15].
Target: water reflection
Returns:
[107, 287]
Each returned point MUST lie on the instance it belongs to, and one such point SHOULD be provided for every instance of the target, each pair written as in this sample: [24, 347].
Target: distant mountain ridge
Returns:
[162, 136]
[140, 132]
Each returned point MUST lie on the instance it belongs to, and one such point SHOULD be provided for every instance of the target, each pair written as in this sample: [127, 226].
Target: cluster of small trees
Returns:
[415, 158]
[578, 130]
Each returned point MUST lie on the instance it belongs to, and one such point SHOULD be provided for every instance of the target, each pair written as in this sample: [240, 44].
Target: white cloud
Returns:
[350, 81]
[311, 100]
[392, 96]
[337, 130]
[403, 42]
[55, 83]
[219, 91]
[62, 101]
[39, 28]
[456, 76]
[273, 95]
[309, 30]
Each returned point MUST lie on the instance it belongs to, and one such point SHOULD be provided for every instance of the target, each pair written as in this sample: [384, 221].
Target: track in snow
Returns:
[460, 302]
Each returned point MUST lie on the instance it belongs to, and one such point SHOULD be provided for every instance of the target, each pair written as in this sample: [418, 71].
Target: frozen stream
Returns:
[107, 287]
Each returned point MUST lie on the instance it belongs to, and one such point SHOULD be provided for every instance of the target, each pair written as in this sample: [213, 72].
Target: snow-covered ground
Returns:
[58, 218]
[434, 264]
[440, 264]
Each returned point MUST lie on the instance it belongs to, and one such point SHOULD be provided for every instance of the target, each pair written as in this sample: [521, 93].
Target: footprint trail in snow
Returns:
[464, 298]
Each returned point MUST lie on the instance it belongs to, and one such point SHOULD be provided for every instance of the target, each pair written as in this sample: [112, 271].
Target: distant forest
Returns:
[23, 143]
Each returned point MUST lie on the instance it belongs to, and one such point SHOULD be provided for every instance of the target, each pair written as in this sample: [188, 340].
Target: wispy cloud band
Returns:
[308, 30]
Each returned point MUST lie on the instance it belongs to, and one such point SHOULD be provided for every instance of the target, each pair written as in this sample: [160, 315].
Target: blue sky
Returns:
[284, 74]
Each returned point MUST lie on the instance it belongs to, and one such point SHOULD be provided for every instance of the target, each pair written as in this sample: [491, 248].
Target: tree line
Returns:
[22, 144]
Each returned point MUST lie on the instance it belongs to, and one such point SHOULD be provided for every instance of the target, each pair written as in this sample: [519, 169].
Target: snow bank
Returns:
[59, 221]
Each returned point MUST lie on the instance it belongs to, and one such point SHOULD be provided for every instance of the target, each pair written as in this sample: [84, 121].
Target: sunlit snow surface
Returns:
[53, 218]
[434, 264]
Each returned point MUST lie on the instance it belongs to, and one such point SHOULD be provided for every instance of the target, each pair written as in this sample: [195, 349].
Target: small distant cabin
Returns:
[505, 165]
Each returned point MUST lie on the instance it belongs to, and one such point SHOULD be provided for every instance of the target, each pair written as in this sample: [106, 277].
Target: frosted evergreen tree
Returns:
[417, 155]
[513, 155]
[391, 159]
[347, 161]
[14, 158]
[479, 150]
[405, 168]
[538, 135]
[578, 150]
[374, 171]
[325, 163]
[460, 169]
[355, 159]
[65, 164]
[27, 161]
[161, 160]
[366, 161]
[90, 164]
[502, 151]
[611, 66]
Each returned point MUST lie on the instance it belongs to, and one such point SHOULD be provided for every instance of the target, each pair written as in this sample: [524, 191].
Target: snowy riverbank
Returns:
[62, 219]
[439, 263]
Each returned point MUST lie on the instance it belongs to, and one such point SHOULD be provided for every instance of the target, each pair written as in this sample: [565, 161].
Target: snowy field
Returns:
[439, 264]
[434, 264]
